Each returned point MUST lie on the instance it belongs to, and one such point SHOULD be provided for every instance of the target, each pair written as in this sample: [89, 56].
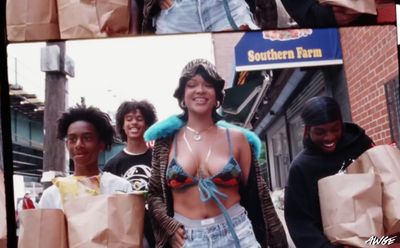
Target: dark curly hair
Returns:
[146, 108]
[209, 72]
[100, 120]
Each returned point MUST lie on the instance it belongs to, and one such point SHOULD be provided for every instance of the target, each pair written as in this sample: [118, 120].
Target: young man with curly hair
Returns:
[134, 161]
[87, 132]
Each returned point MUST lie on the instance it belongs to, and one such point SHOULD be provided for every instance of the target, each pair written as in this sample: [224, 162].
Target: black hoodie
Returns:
[311, 14]
[302, 209]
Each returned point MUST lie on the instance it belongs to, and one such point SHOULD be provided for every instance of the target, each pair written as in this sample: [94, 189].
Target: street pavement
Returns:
[282, 218]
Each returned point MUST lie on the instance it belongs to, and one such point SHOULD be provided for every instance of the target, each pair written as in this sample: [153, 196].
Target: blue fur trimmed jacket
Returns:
[255, 197]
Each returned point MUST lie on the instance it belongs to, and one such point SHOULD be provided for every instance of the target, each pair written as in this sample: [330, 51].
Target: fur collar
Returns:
[172, 124]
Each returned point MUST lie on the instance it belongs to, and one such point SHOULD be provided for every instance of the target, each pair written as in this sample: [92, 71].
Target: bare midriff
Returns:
[187, 202]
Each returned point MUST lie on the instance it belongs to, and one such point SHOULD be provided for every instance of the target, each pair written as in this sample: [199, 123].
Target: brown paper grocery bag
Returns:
[3, 221]
[115, 14]
[3, 243]
[78, 19]
[42, 228]
[360, 6]
[351, 208]
[384, 160]
[89, 18]
[105, 221]
[31, 20]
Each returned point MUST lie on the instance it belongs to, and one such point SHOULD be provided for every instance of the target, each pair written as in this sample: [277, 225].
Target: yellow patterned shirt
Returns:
[77, 186]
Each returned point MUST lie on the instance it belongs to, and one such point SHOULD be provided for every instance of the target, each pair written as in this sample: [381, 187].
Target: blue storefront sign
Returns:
[288, 48]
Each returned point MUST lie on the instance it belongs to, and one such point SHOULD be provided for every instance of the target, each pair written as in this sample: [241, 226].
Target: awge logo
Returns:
[384, 240]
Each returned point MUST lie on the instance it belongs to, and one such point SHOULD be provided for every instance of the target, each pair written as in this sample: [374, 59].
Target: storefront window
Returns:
[296, 129]
[279, 155]
[393, 103]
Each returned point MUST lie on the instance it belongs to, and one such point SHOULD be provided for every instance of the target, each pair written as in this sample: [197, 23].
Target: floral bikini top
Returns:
[230, 175]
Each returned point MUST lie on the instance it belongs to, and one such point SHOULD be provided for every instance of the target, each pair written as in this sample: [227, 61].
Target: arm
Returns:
[344, 16]
[165, 4]
[309, 13]
[164, 225]
[300, 218]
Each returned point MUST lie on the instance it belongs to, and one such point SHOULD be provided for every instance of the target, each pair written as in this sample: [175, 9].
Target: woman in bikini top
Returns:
[229, 175]
[207, 163]
[201, 193]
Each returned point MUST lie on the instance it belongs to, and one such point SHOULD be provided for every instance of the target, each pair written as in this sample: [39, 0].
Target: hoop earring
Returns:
[182, 104]
[218, 104]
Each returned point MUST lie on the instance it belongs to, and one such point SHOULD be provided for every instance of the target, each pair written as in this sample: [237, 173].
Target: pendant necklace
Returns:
[191, 149]
[187, 143]
[199, 170]
[197, 134]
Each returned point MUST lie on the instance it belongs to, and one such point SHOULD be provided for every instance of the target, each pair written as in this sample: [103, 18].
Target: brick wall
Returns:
[224, 52]
[370, 61]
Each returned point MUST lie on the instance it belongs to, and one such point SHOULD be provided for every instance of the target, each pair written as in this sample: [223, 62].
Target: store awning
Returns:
[288, 48]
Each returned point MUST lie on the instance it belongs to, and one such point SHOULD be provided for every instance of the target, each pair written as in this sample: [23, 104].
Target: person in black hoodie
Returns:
[329, 145]
[311, 14]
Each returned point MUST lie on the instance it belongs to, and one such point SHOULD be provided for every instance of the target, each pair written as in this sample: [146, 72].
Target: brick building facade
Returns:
[370, 62]
[366, 85]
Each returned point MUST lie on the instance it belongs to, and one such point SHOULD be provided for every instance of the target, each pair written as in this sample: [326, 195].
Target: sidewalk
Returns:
[282, 218]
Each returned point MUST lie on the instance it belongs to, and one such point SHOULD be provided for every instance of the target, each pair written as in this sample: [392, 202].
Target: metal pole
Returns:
[16, 71]
[55, 104]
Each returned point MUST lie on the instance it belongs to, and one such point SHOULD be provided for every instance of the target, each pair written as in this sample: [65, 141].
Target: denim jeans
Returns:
[188, 16]
[213, 232]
